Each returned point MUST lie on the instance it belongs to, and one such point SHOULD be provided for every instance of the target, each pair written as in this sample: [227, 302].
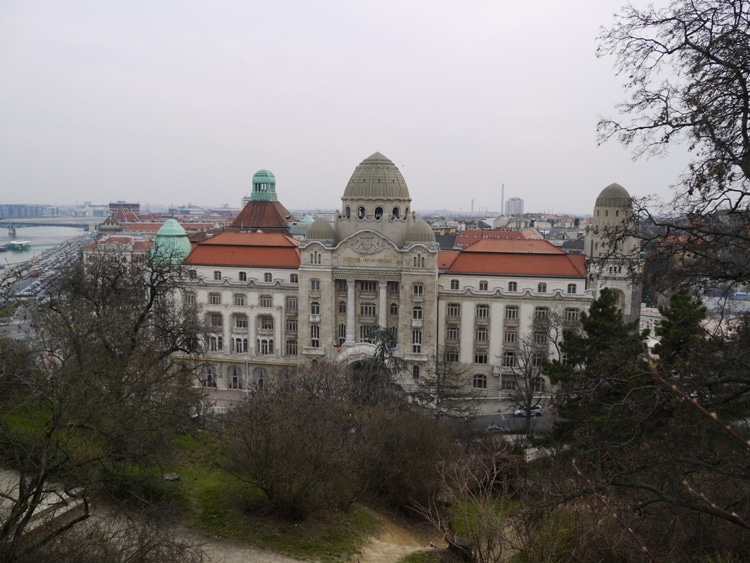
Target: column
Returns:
[350, 311]
[382, 319]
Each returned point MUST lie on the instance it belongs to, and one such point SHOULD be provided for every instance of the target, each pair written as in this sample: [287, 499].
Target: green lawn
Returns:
[219, 504]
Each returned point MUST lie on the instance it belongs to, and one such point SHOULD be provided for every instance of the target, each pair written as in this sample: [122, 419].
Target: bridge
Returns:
[85, 223]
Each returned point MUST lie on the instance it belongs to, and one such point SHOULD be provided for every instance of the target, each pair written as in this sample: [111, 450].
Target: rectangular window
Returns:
[394, 310]
[418, 290]
[571, 315]
[368, 286]
[541, 313]
[540, 338]
[571, 288]
[536, 360]
[241, 322]
[483, 311]
[291, 325]
[341, 286]
[291, 347]
[509, 385]
[416, 313]
[416, 341]
[215, 343]
[291, 304]
[214, 298]
[480, 357]
[315, 336]
[451, 333]
[190, 298]
[541, 288]
[266, 301]
[509, 359]
[266, 323]
[266, 347]
[454, 284]
[239, 300]
[315, 308]
[481, 335]
[451, 356]
[483, 286]
[512, 286]
[293, 278]
[393, 288]
[342, 306]
[268, 277]
[243, 276]
[454, 310]
[342, 333]
[367, 309]
[216, 321]
[314, 285]
[511, 312]
[510, 337]
[217, 275]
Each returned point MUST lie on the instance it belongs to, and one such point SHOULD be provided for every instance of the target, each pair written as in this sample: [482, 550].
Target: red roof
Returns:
[263, 215]
[268, 250]
[514, 258]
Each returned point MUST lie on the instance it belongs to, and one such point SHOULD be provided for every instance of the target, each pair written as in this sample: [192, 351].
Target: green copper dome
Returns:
[264, 186]
[171, 244]
[376, 177]
[614, 195]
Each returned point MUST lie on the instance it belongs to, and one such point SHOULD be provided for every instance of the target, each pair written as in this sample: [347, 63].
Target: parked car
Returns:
[536, 410]
[493, 428]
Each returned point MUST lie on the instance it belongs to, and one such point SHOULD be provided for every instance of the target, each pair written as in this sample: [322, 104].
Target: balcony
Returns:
[414, 357]
[314, 318]
[417, 323]
[310, 351]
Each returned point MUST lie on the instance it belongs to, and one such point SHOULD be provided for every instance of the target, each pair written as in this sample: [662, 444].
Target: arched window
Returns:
[395, 214]
[415, 372]
[348, 212]
[479, 381]
[360, 212]
[234, 375]
[378, 213]
[260, 376]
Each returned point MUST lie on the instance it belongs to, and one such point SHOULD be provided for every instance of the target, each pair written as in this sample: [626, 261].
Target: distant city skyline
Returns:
[166, 103]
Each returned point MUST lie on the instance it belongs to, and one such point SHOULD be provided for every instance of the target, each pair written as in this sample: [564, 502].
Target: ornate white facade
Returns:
[272, 301]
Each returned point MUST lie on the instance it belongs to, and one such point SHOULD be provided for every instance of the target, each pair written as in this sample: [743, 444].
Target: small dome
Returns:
[376, 177]
[264, 176]
[307, 219]
[614, 195]
[320, 230]
[420, 231]
[171, 244]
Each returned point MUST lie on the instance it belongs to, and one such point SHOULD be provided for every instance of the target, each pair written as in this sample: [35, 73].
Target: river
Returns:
[41, 238]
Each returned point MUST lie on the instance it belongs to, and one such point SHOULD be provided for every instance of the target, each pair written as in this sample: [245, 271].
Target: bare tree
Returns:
[685, 68]
[98, 393]
[443, 390]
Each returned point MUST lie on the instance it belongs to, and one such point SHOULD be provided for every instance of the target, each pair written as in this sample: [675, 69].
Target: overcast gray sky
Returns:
[177, 101]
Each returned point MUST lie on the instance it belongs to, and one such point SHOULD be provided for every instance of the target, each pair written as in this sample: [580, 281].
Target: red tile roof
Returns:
[263, 215]
[514, 258]
[268, 250]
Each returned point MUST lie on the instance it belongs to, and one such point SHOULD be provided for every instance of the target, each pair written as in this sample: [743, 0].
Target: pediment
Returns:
[367, 249]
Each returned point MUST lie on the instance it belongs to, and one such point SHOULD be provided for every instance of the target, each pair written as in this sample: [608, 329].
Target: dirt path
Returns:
[394, 541]
[391, 542]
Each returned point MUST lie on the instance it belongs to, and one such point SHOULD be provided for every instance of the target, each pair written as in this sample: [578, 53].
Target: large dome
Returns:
[614, 195]
[376, 177]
